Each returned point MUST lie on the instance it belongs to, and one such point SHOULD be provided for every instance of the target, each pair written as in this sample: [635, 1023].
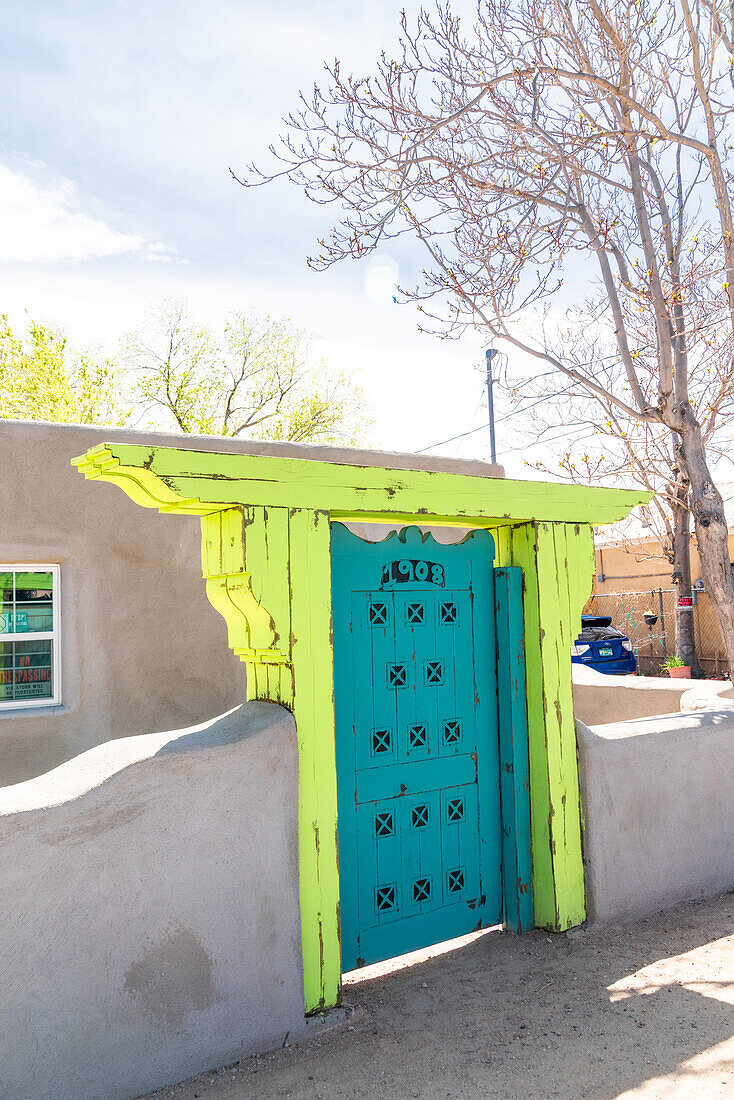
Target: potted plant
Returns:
[677, 668]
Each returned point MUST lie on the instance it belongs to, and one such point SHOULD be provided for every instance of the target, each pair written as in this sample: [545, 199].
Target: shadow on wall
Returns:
[150, 911]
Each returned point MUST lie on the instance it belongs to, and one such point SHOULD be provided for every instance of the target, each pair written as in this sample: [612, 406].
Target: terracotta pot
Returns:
[680, 672]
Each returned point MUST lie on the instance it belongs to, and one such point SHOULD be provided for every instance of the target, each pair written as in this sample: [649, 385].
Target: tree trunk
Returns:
[712, 533]
[685, 638]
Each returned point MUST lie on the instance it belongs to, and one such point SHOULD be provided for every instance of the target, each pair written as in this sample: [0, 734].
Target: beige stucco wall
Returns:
[142, 648]
[598, 698]
[149, 909]
[657, 799]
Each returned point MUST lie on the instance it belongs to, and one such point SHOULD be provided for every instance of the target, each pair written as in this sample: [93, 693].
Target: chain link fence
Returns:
[652, 644]
[709, 643]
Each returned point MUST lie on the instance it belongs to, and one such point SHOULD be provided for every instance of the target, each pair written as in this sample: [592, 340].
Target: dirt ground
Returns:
[643, 1011]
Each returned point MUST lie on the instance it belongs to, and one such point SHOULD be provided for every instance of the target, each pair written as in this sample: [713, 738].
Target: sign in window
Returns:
[29, 635]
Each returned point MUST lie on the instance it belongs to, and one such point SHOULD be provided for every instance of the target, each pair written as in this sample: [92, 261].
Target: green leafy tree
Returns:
[42, 378]
[257, 381]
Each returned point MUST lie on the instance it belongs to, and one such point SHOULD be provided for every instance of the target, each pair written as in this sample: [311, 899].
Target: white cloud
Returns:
[43, 223]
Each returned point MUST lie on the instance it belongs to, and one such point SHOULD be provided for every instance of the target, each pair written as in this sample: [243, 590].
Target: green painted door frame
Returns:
[265, 555]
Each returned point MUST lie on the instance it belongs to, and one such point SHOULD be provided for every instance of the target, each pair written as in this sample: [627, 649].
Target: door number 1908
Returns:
[405, 569]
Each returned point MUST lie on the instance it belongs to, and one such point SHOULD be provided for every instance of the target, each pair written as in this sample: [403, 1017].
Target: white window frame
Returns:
[41, 635]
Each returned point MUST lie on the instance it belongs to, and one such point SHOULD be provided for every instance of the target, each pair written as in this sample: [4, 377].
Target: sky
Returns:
[122, 120]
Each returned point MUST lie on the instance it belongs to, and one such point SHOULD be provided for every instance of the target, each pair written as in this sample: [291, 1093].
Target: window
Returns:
[29, 636]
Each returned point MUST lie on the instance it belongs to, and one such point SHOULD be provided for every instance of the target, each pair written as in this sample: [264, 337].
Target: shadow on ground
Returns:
[645, 1010]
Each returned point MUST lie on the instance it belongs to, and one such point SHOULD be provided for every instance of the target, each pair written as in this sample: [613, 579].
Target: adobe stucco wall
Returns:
[149, 909]
[142, 648]
[657, 799]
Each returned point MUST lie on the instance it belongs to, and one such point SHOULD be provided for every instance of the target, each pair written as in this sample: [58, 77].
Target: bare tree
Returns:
[259, 380]
[613, 449]
[555, 145]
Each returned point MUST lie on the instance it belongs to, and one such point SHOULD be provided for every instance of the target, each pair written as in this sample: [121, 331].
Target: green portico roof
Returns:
[198, 482]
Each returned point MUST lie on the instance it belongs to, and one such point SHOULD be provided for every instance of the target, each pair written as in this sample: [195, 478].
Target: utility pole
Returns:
[490, 354]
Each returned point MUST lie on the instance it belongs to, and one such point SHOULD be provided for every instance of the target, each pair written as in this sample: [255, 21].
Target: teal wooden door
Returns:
[418, 776]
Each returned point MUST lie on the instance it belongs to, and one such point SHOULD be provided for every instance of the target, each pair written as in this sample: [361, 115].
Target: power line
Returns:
[462, 435]
[473, 418]
[540, 400]
[482, 427]
[561, 435]
[508, 450]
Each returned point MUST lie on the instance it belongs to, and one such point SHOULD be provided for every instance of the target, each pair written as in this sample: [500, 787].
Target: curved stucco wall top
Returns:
[150, 910]
[598, 698]
[91, 769]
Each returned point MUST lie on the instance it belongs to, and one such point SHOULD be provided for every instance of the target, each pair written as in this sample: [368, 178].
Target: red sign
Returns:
[25, 675]
[685, 603]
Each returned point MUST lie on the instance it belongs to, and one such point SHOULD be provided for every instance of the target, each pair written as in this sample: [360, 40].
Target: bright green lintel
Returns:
[265, 555]
[192, 482]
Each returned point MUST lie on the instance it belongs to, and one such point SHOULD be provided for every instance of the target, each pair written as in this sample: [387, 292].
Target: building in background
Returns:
[634, 576]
